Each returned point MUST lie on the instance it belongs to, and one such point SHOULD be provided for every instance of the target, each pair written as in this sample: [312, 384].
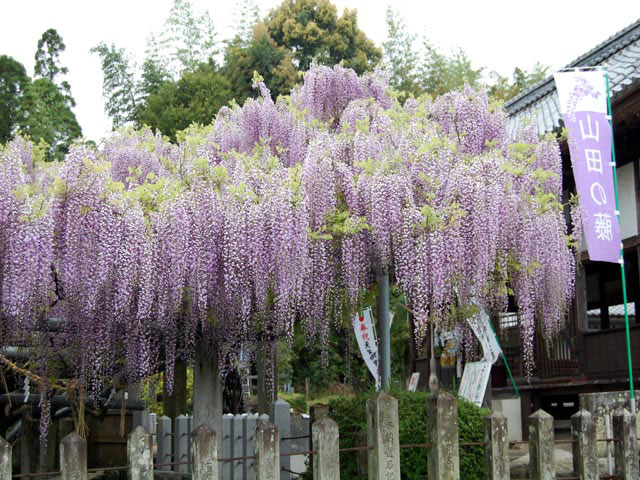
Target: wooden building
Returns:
[590, 355]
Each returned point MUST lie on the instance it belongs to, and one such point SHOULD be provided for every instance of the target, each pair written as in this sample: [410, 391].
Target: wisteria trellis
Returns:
[278, 212]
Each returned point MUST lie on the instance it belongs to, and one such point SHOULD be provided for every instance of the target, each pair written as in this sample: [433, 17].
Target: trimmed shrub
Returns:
[350, 414]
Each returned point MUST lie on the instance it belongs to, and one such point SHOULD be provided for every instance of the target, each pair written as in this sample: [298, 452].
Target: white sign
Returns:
[413, 383]
[481, 326]
[363, 328]
[474, 381]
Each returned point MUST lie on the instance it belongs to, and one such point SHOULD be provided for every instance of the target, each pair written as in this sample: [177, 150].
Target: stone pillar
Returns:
[181, 445]
[316, 412]
[164, 441]
[207, 391]
[626, 446]
[73, 457]
[140, 455]
[267, 452]
[496, 448]
[5, 459]
[541, 453]
[204, 451]
[585, 453]
[326, 461]
[280, 416]
[383, 461]
[442, 424]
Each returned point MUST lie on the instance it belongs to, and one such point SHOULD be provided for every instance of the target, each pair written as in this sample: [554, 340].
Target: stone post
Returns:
[280, 416]
[316, 412]
[204, 451]
[181, 443]
[496, 447]
[267, 452]
[140, 455]
[383, 460]
[442, 424]
[541, 453]
[585, 452]
[73, 457]
[326, 461]
[626, 446]
[5, 460]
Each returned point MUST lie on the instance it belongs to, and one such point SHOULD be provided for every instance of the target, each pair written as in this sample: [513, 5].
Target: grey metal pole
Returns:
[384, 347]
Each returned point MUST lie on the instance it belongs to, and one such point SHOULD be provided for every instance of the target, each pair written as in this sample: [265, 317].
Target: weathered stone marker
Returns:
[73, 457]
[496, 447]
[442, 424]
[541, 453]
[139, 455]
[204, 451]
[383, 460]
[326, 461]
[626, 447]
[585, 450]
[5, 460]
[267, 452]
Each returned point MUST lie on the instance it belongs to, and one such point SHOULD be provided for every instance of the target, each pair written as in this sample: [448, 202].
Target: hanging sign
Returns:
[583, 103]
[481, 326]
[474, 381]
[363, 328]
[413, 383]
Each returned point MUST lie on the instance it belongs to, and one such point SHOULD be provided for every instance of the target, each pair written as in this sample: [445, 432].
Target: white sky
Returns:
[497, 34]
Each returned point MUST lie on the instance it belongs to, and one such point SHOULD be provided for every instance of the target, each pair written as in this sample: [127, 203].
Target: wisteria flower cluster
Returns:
[279, 212]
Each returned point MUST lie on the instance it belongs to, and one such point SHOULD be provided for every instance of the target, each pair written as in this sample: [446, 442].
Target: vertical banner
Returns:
[363, 328]
[583, 103]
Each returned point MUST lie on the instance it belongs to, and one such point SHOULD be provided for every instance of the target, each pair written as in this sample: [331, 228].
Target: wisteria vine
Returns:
[278, 212]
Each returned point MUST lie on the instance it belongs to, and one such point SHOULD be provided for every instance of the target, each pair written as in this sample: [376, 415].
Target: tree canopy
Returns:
[13, 82]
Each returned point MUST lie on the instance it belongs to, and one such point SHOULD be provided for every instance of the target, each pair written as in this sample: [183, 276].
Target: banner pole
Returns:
[624, 280]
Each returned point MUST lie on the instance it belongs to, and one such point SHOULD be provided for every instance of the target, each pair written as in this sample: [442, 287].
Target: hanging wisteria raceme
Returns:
[280, 212]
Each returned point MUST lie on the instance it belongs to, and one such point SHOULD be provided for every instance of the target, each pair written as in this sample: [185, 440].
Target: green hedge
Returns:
[350, 414]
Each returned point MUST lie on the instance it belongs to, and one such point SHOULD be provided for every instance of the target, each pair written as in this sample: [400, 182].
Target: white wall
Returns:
[627, 191]
[510, 408]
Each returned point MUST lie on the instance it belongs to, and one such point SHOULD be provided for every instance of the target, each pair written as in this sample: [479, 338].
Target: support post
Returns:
[626, 446]
[73, 457]
[280, 416]
[326, 461]
[181, 443]
[442, 424]
[384, 329]
[207, 392]
[5, 460]
[175, 404]
[541, 451]
[496, 447]
[267, 452]
[204, 451]
[585, 453]
[140, 455]
[383, 434]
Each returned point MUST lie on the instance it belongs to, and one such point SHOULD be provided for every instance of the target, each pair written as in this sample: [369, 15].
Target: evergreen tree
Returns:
[13, 81]
[50, 46]
[400, 57]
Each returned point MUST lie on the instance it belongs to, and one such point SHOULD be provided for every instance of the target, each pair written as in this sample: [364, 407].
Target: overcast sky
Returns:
[497, 34]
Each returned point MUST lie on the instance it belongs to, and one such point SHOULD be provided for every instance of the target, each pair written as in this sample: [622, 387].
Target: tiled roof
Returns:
[540, 103]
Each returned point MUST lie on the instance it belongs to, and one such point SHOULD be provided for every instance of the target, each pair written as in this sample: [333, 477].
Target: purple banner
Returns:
[583, 101]
[591, 158]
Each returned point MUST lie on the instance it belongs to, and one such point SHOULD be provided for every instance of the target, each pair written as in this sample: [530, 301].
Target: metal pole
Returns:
[624, 280]
[384, 345]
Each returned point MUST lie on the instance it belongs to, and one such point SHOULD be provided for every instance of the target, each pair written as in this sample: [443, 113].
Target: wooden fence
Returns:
[383, 447]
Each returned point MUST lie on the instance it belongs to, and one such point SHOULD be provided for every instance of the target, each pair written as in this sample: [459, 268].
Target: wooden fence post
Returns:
[140, 455]
[73, 457]
[496, 447]
[541, 451]
[585, 453]
[5, 459]
[383, 434]
[326, 439]
[204, 451]
[442, 424]
[626, 446]
[164, 441]
[267, 452]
